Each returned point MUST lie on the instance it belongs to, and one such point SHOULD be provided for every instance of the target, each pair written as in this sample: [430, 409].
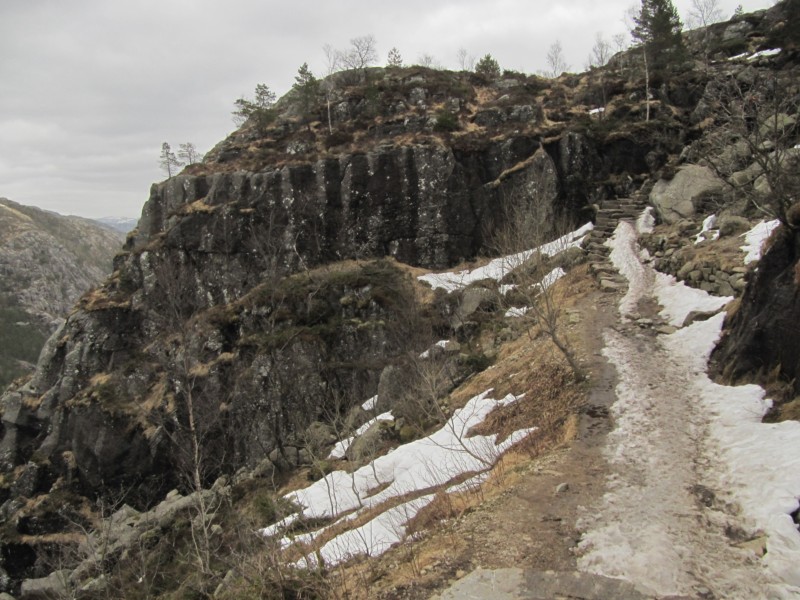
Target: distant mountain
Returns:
[46, 262]
[123, 224]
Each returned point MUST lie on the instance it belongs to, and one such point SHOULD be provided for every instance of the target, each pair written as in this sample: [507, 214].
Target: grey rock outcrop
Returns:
[53, 587]
[758, 339]
[677, 198]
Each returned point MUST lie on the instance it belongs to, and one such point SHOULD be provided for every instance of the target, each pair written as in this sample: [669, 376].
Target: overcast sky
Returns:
[89, 89]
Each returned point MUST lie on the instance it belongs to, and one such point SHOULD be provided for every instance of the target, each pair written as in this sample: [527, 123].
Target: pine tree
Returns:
[169, 162]
[394, 59]
[488, 67]
[658, 28]
[259, 110]
[306, 89]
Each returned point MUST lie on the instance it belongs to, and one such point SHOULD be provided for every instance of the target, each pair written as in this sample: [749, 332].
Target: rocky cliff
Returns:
[267, 291]
[222, 295]
[46, 261]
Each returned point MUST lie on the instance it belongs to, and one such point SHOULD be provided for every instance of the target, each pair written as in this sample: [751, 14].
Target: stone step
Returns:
[596, 248]
[602, 268]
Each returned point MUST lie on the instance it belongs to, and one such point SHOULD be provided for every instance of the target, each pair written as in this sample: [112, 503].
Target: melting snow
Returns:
[677, 298]
[439, 344]
[709, 225]
[413, 468]
[498, 268]
[770, 52]
[646, 221]
[370, 403]
[515, 312]
[755, 238]
[755, 55]
[676, 429]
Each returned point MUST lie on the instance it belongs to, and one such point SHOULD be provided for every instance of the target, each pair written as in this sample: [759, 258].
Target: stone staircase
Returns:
[611, 212]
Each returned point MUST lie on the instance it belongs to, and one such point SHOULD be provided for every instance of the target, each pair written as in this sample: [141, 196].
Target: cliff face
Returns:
[46, 262]
[225, 302]
[761, 336]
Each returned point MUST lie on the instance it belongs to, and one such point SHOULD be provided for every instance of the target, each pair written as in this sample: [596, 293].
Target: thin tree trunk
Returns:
[646, 83]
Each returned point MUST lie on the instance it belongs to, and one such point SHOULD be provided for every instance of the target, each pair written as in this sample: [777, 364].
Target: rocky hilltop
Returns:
[269, 290]
[47, 261]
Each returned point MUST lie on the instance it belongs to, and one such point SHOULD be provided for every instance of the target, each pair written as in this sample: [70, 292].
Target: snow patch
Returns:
[371, 539]
[755, 55]
[678, 299]
[755, 238]
[410, 469]
[770, 52]
[625, 258]
[709, 226]
[646, 221]
[517, 312]
[370, 403]
[439, 344]
[498, 268]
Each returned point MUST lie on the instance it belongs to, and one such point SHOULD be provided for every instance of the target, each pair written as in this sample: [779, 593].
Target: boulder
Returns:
[392, 386]
[732, 225]
[471, 301]
[675, 199]
[365, 447]
[53, 587]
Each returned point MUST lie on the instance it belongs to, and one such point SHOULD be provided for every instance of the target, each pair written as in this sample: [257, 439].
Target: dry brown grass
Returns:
[99, 299]
[199, 206]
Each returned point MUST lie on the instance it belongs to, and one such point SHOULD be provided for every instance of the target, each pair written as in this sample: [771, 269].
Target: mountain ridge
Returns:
[47, 261]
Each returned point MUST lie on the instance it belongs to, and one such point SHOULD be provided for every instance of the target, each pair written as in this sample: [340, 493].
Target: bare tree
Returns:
[620, 41]
[556, 63]
[601, 53]
[752, 146]
[427, 60]
[332, 65]
[192, 413]
[703, 13]
[363, 53]
[527, 227]
[189, 154]
[466, 61]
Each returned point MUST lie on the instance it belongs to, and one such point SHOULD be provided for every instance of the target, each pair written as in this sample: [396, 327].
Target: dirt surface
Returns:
[533, 523]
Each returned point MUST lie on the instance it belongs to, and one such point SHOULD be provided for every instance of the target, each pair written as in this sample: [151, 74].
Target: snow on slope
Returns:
[498, 268]
[755, 238]
[409, 471]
